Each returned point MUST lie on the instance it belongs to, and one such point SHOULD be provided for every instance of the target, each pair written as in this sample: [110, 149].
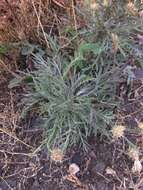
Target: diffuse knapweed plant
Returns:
[74, 93]
[73, 106]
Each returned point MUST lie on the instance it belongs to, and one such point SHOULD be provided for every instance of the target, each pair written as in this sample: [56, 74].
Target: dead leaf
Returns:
[110, 171]
[73, 169]
[137, 167]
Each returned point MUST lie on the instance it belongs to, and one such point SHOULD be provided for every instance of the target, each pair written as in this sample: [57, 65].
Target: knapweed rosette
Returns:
[133, 153]
[140, 125]
[118, 131]
[57, 155]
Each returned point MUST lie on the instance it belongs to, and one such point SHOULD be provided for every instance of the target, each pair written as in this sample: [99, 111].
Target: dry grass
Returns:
[19, 20]
[25, 20]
